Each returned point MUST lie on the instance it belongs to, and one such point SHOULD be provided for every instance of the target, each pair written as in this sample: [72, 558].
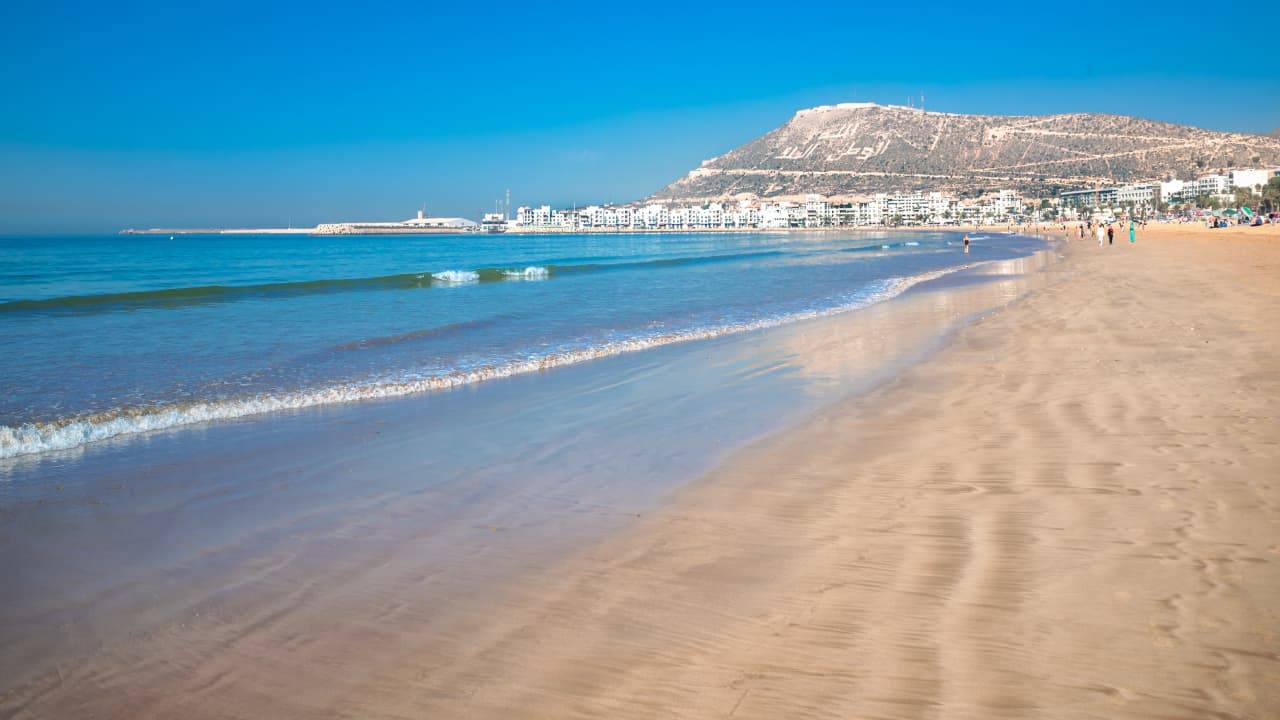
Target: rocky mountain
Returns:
[856, 149]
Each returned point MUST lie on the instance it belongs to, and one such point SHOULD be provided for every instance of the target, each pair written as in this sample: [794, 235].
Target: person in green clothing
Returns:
[1131, 231]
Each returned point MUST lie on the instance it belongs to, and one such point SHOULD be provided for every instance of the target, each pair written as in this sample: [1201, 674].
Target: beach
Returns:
[1038, 487]
[1070, 512]
[454, 362]
[271, 564]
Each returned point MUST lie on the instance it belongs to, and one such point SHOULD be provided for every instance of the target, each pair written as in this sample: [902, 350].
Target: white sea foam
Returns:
[74, 432]
[530, 273]
[913, 243]
[456, 276]
[884, 247]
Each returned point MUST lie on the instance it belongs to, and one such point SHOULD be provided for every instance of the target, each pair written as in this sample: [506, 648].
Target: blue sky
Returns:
[232, 114]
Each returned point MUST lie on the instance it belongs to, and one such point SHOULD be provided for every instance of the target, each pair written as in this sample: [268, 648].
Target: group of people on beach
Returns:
[1104, 232]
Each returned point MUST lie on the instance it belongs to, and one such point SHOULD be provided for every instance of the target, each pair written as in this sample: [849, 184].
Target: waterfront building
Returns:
[494, 222]
[774, 215]
[1252, 179]
[814, 212]
[1093, 198]
[1220, 186]
[1140, 194]
[1136, 194]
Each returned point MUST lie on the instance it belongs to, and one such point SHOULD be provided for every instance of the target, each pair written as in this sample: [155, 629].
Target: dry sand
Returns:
[1071, 512]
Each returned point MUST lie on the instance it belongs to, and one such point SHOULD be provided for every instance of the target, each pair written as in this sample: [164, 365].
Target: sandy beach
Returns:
[1071, 512]
[417, 361]
[1066, 509]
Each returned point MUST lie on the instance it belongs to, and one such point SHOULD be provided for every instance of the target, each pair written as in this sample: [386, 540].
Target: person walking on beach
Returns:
[1100, 235]
[1131, 233]
[1111, 234]
[966, 243]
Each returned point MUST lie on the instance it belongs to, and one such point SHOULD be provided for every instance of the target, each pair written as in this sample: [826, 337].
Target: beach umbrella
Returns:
[1248, 212]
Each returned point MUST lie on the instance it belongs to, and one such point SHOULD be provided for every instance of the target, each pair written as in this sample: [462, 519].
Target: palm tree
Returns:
[1271, 194]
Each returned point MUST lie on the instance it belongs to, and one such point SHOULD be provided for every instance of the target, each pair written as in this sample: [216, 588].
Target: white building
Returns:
[1139, 194]
[650, 217]
[1213, 185]
[539, 217]
[774, 215]
[1173, 190]
[1252, 179]
[1220, 186]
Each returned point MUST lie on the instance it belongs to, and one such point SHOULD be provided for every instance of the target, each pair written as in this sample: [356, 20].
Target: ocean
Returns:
[111, 336]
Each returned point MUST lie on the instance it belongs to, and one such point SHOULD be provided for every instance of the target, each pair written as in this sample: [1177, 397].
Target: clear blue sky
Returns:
[146, 114]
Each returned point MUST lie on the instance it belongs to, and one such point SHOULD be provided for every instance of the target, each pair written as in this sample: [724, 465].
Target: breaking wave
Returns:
[456, 277]
[72, 432]
[530, 273]
[177, 297]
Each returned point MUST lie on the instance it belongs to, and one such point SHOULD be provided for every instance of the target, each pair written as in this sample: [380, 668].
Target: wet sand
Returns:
[1071, 512]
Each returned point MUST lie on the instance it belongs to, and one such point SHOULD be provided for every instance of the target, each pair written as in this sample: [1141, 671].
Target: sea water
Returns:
[111, 336]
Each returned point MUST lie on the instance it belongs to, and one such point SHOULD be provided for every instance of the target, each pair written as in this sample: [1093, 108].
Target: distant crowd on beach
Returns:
[1104, 231]
[1224, 218]
[1223, 221]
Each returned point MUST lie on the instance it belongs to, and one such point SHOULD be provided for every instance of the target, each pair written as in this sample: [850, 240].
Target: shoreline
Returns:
[72, 433]
[1068, 512]
[364, 532]
[34, 438]
[1062, 511]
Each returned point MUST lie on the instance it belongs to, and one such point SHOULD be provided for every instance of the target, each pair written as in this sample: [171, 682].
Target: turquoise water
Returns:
[114, 335]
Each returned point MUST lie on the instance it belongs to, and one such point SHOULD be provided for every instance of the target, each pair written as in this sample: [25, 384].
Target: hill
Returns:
[856, 149]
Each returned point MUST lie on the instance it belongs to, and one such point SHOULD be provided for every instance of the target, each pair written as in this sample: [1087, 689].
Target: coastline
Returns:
[208, 563]
[1068, 512]
[1062, 511]
[664, 362]
[74, 433]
